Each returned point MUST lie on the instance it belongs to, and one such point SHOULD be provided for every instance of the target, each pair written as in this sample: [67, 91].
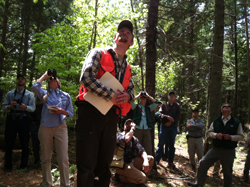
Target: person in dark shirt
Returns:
[170, 113]
[137, 164]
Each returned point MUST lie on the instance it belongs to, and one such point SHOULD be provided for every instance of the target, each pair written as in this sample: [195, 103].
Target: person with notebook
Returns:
[96, 132]
[53, 128]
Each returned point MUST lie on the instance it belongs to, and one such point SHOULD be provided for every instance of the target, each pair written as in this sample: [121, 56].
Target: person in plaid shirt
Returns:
[95, 132]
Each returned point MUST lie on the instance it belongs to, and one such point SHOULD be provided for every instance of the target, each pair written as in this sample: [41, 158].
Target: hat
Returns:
[172, 92]
[127, 24]
[128, 121]
[20, 75]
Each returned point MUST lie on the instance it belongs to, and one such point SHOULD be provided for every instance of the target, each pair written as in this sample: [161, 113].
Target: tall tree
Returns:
[151, 53]
[217, 63]
[248, 57]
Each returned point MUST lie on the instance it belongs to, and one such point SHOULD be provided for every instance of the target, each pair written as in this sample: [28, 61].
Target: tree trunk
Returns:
[3, 38]
[236, 61]
[27, 14]
[216, 69]
[94, 30]
[248, 59]
[151, 53]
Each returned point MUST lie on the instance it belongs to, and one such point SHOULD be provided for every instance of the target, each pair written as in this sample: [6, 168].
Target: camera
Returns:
[18, 101]
[52, 72]
[143, 93]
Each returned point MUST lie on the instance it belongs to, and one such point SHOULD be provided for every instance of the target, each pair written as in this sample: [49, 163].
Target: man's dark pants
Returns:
[226, 157]
[167, 137]
[95, 144]
[22, 127]
[247, 166]
[166, 153]
[35, 142]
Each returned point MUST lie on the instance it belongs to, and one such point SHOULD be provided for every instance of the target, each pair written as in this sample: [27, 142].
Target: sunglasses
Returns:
[226, 106]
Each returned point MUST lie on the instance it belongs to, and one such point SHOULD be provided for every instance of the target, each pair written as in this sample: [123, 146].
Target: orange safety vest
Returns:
[107, 64]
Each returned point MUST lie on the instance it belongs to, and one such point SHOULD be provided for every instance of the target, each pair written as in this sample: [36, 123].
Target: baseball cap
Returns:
[20, 75]
[127, 24]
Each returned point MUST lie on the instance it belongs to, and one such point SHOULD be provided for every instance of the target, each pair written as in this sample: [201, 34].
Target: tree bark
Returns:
[3, 38]
[216, 69]
[236, 61]
[151, 53]
[27, 14]
[248, 59]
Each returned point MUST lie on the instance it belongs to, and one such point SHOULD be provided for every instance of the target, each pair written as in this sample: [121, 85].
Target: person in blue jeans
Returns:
[170, 113]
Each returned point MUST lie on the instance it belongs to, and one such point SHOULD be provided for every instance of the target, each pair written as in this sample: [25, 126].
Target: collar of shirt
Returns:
[225, 120]
[112, 51]
[52, 90]
[20, 92]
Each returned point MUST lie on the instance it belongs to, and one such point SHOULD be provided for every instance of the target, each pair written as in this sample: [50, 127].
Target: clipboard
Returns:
[100, 103]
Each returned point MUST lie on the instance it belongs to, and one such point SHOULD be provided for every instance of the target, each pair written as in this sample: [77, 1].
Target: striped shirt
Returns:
[90, 70]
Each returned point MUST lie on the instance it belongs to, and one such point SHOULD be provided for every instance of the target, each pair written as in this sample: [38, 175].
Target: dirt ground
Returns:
[163, 177]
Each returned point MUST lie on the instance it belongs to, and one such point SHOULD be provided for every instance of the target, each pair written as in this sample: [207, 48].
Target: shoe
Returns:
[193, 168]
[192, 184]
[171, 166]
[165, 159]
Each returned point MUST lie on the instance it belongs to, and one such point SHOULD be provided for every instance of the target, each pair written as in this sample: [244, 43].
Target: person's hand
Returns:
[189, 126]
[168, 124]
[145, 166]
[227, 137]
[114, 99]
[132, 124]
[219, 136]
[170, 119]
[147, 95]
[23, 106]
[46, 76]
[59, 111]
[13, 103]
[122, 98]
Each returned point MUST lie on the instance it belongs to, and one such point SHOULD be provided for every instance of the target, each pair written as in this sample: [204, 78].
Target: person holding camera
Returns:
[225, 131]
[137, 163]
[18, 103]
[143, 120]
[56, 109]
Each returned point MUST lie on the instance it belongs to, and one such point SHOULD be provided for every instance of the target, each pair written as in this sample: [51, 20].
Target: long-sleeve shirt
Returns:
[56, 98]
[196, 130]
[130, 147]
[173, 110]
[238, 137]
[90, 70]
[143, 123]
[28, 99]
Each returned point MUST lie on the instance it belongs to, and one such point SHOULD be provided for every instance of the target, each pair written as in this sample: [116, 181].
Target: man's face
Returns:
[172, 97]
[195, 114]
[124, 36]
[226, 109]
[21, 81]
[143, 100]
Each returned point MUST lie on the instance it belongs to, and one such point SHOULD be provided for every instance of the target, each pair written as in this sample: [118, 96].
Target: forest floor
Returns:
[163, 177]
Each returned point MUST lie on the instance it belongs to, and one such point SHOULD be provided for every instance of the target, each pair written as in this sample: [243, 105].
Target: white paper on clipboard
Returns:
[101, 104]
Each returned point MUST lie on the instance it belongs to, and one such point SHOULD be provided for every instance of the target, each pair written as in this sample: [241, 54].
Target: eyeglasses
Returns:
[225, 106]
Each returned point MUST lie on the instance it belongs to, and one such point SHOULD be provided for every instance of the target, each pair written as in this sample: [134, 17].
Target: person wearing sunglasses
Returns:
[225, 131]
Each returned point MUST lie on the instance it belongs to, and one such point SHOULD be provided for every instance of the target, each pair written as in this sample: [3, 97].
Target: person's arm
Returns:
[37, 87]
[130, 90]
[120, 137]
[69, 112]
[31, 106]
[239, 136]
[133, 106]
[177, 116]
[197, 126]
[210, 132]
[130, 134]
[88, 77]
[7, 104]
[145, 165]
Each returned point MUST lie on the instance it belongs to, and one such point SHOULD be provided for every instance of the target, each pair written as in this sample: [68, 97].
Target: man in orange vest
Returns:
[95, 132]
